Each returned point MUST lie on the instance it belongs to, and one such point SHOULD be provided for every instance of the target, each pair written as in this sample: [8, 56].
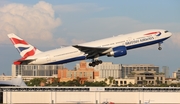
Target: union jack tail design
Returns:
[22, 46]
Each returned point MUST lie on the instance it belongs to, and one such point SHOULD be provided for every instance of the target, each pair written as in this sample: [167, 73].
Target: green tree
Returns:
[105, 79]
[55, 82]
[110, 79]
[36, 81]
[130, 84]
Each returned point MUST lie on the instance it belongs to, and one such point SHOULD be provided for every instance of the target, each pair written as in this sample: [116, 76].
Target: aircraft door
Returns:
[48, 58]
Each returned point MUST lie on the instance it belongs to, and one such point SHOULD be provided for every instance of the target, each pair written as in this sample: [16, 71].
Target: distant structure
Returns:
[174, 74]
[165, 70]
[106, 69]
[83, 73]
[29, 72]
[178, 74]
[127, 69]
[116, 71]
[145, 77]
[35, 70]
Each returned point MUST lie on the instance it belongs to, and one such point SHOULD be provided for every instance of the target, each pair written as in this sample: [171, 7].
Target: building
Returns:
[35, 70]
[83, 72]
[178, 74]
[106, 69]
[127, 69]
[89, 95]
[165, 70]
[174, 74]
[144, 77]
[122, 82]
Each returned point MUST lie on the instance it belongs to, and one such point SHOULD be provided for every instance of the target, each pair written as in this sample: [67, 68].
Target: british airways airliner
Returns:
[115, 46]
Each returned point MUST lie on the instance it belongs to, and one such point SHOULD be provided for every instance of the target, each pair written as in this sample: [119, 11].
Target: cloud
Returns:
[35, 22]
[76, 41]
[78, 7]
[61, 42]
[175, 39]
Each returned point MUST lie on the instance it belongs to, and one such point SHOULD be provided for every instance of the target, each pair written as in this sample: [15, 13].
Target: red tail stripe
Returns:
[30, 53]
[17, 41]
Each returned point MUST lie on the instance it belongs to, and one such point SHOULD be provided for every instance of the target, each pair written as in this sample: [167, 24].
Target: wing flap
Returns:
[92, 51]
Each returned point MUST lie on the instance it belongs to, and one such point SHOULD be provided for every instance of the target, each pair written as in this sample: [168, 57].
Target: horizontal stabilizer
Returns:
[21, 61]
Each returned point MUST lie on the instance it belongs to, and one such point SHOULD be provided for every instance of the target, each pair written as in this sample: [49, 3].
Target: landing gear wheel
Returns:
[96, 62]
[159, 48]
[90, 64]
[100, 62]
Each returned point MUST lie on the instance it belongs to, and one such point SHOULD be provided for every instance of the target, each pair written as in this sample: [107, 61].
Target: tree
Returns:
[157, 82]
[55, 82]
[105, 79]
[144, 82]
[110, 79]
[36, 81]
[130, 84]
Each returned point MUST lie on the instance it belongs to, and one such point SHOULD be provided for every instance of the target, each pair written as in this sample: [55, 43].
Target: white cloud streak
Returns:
[79, 7]
[175, 39]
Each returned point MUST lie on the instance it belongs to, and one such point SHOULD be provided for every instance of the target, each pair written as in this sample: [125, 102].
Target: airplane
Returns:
[13, 82]
[148, 102]
[78, 102]
[115, 46]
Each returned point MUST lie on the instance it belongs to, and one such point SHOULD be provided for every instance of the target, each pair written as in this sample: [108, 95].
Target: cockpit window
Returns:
[166, 31]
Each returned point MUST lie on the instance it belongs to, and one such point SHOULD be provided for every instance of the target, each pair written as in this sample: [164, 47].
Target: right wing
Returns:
[93, 52]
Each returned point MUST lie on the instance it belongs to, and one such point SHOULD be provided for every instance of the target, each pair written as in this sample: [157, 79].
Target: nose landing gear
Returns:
[160, 48]
[159, 44]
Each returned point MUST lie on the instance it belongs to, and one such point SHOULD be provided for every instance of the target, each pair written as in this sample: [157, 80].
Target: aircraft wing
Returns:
[92, 51]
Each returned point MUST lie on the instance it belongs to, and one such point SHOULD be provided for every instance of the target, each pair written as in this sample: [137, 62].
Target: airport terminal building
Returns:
[90, 95]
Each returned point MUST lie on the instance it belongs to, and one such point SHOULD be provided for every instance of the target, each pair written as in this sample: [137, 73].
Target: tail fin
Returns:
[23, 47]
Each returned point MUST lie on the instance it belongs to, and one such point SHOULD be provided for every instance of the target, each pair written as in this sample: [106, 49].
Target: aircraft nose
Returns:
[169, 34]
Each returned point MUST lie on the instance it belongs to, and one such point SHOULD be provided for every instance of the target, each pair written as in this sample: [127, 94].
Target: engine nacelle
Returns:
[118, 51]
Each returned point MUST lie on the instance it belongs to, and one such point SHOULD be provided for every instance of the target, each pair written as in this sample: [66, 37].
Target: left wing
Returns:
[93, 52]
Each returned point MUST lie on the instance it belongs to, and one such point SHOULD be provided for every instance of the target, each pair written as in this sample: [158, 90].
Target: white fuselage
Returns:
[130, 41]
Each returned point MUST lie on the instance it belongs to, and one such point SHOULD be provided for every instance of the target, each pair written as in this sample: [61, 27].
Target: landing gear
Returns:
[95, 62]
[159, 48]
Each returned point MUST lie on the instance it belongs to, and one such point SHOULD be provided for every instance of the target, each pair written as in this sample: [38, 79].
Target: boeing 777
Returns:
[115, 46]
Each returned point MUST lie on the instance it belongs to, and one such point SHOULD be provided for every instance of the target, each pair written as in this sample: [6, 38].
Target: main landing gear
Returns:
[95, 62]
[159, 44]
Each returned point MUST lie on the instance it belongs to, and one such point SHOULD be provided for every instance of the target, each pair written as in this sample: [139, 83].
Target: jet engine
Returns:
[118, 51]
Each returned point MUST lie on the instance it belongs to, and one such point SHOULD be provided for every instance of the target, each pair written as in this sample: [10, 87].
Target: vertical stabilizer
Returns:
[25, 49]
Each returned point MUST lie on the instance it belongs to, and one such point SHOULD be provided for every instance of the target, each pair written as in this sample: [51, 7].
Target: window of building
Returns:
[121, 82]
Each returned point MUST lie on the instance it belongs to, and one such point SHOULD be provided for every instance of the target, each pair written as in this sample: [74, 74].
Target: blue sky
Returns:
[52, 23]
